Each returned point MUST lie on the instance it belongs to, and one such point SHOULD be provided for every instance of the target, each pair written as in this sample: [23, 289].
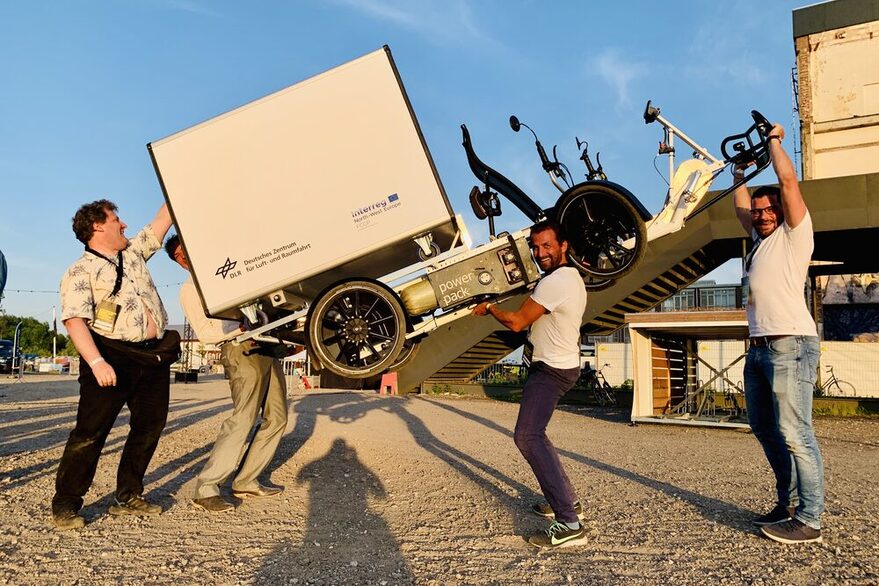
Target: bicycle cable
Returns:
[658, 172]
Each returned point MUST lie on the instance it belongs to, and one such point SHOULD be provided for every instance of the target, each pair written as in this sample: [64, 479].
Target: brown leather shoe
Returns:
[136, 506]
[259, 491]
[213, 504]
[68, 519]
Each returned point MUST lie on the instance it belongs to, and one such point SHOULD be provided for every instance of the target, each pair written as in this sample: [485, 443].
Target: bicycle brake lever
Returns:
[556, 166]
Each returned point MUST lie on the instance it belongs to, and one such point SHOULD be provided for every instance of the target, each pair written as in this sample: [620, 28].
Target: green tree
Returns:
[36, 336]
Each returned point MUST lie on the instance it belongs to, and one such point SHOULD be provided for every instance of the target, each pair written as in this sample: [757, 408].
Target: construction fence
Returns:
[853, 365]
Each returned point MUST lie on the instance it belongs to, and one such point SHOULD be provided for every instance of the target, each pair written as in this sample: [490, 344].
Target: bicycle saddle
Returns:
[495, 180]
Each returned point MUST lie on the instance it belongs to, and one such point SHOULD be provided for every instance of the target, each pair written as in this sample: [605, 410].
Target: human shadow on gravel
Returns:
[712, 509]
[349, 407]
[30, 428]
[345, 542]
[609, 414]
[288, 446]
[38, 391]
[291, 443]
[58, 438]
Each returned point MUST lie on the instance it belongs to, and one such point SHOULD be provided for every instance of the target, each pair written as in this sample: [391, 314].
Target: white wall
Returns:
[619, 359]
[857, 363]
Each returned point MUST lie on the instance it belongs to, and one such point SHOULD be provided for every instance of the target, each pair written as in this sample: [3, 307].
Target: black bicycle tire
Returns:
[633, 227]
[316, 333]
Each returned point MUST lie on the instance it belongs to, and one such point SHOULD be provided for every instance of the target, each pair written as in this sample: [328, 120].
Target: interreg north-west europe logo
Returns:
[376, 208]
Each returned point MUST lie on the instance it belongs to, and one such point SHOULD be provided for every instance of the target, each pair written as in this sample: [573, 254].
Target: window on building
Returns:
[680, 301]
[719, 298]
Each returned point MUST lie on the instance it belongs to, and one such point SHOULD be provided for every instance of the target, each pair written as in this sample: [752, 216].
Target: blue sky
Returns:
[87, 84]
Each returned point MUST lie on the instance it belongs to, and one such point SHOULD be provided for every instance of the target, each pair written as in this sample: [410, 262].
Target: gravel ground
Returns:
[428, 490]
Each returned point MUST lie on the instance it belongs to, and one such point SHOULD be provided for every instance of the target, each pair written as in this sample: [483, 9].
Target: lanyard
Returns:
[750, 256]
[118, 264]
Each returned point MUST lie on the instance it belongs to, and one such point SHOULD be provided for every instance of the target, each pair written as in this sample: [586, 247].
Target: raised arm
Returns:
[742, 201]
[791, 199]
[161, 223]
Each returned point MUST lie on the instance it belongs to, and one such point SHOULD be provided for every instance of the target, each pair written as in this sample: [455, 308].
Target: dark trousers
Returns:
[543, 389]
[145, 390]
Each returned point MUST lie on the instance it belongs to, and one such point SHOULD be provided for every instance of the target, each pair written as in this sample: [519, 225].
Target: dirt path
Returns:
[390, 490]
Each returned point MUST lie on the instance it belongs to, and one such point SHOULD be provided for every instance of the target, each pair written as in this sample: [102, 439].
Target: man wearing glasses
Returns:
[782, 361]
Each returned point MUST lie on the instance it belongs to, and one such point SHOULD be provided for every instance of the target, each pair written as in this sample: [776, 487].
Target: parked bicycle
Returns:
[593, 381]
[832, 386]
[608, 228]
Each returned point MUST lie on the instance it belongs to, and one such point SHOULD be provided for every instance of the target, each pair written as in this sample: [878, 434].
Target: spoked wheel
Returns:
[606, 234]
[357, 328]
[842, 389]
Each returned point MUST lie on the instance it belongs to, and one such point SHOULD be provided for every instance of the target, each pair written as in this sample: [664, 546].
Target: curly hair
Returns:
[89, 215]
[550, 224]
[171, 246]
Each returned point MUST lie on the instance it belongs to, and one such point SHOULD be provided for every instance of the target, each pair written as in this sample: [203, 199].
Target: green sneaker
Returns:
[559, 535]
[542, 509]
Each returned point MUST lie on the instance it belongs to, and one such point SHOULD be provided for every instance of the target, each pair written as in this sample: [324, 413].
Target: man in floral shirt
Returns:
[116, 320]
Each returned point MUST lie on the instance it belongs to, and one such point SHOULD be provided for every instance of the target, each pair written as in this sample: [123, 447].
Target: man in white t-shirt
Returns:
[258, 387]
[554, 312]
[782, 361]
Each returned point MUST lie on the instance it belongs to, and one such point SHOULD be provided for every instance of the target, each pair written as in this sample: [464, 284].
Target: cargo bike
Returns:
[361, 264]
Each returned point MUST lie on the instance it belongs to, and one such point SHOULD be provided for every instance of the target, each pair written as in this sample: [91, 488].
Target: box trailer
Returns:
[319, 207]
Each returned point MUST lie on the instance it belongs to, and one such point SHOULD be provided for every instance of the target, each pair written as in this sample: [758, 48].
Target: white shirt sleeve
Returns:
[207, 330]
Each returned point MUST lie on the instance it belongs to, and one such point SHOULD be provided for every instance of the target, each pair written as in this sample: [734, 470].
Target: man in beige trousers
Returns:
[257, 383]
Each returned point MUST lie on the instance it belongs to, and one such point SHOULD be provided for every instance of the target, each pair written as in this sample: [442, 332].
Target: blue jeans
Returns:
[779, 382]
[544, 388]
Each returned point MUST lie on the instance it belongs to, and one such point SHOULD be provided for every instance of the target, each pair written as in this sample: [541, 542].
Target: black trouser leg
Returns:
[98, 409]
[544, 388]
[148, 403]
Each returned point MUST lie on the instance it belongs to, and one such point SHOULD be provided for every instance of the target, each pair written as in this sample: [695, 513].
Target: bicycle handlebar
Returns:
[757, 150]
[756, 153]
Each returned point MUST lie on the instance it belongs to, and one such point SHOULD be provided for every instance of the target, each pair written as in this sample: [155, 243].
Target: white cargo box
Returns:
[324, 180]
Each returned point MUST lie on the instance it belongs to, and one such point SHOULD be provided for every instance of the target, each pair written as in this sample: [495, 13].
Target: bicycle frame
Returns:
[607, 226]
[690, 181]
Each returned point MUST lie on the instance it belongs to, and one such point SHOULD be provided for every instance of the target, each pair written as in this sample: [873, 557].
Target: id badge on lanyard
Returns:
[107, 312]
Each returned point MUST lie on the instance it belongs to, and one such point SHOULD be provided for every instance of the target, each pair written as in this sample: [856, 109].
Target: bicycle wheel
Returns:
[608, 391]
[842, 388]
[606, 234]
[357, 328]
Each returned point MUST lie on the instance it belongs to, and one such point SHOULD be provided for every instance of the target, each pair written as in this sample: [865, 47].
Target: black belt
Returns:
[763, 341]
[144, 345]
